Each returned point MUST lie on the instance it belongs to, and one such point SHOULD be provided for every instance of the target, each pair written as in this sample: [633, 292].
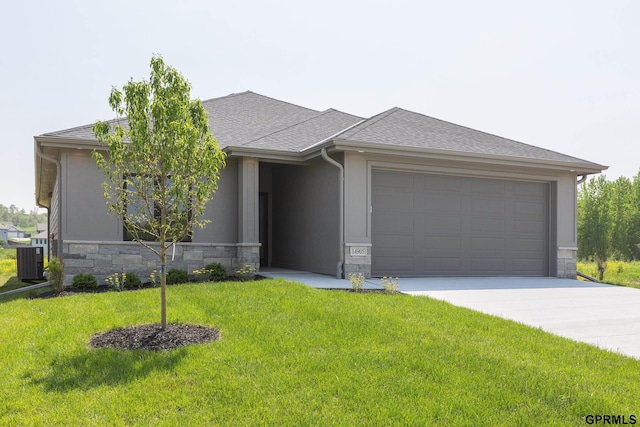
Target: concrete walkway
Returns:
[315, 280]
[602, 315]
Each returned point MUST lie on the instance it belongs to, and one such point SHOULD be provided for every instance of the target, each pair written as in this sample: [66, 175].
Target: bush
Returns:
[84, 281]
[357, 281]
[132, 281]
[390, 284]
[246, 273]
[176, 276]
[215, 272]
[55, 274]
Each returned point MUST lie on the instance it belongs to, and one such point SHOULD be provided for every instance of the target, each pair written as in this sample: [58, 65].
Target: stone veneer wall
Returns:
[106, 258]
[567, 263]
[359, 261]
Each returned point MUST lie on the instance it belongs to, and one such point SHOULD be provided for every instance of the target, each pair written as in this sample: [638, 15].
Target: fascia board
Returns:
[61, 142]
[263, 154]
[580, 168]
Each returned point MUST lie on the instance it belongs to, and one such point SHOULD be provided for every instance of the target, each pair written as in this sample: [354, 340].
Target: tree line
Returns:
[609, 220]
[21, 218]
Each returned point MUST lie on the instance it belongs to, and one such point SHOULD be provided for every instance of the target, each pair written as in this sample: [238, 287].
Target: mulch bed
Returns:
[154, 338]
[68, 291]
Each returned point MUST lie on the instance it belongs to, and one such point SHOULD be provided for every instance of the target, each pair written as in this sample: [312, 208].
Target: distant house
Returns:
[41, 227]
[10, 231]
[41, 239]
[399, 193]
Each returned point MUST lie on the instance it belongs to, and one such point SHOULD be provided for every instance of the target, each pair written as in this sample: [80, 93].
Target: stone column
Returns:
[567, 263]
[357, 259]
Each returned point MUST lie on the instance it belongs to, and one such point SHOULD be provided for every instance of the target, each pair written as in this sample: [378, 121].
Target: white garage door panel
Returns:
[455, 226]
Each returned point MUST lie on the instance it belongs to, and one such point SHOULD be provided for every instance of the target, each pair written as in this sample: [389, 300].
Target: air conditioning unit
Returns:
[30, 263]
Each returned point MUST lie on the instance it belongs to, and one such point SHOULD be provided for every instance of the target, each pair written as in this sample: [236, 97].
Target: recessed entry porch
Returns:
[298, 217]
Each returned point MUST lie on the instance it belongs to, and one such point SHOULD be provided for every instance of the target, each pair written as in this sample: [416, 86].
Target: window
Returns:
[142, 211]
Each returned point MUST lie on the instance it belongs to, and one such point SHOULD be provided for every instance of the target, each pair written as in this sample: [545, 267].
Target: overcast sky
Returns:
[563, 75]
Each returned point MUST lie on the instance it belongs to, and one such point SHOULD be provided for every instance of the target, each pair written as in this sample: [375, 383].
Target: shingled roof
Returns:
[398, 127]
[253, 121]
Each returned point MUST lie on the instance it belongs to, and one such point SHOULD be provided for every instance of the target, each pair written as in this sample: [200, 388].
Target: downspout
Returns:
[48, 240]
[581, 180]
[55, 161]
[340, 264]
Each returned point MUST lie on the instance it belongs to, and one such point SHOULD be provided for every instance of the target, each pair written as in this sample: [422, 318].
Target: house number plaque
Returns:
[358, 251]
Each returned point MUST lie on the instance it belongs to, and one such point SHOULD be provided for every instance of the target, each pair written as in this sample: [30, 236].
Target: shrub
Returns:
[390, 284]
[176, 276]
[214, 272]
[131, 280]
[154, 278]
[84, 281]
[246, 273]
[55, 274]
[357, 281]
[116, 281]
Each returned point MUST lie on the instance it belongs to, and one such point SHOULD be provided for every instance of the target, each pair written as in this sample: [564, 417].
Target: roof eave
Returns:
[264, 154]
[580, 168]
[66, 142]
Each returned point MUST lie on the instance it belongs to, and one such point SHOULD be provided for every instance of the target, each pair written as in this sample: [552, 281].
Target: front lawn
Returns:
[292, 355]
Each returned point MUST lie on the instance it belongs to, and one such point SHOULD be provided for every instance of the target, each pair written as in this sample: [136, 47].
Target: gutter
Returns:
[55, 161]
[340, 264]
[581, 180]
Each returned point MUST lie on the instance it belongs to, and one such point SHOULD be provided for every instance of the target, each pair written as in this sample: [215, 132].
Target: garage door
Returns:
[433, 225]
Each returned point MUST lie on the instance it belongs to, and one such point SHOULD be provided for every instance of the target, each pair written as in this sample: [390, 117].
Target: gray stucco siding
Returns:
[85, 215]
[222, 210]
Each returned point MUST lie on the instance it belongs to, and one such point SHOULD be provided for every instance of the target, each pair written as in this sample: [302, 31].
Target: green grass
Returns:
[292, 355]
[617, 272]
[7, 253]
[7, 267]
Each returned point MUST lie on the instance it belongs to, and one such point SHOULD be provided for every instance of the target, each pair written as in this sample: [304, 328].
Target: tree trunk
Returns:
[163, 287]
[163, 262]
[602, 266]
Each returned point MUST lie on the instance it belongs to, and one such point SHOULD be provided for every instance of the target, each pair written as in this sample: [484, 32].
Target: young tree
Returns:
[594, 224]
[620, 213]
[163, 163]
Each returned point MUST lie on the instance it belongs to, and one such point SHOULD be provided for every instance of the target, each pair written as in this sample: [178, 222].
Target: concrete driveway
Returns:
[602, 315]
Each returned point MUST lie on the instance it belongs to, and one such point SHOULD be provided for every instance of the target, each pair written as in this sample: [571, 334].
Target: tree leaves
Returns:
[162, 163]
[609, 220]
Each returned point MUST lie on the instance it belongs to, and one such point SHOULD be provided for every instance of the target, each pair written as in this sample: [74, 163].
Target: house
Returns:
[10, 231]
[41, 239]
[399, 193]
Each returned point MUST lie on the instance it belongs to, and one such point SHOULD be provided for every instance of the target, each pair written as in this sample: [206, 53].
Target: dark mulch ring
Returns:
[152, 337]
